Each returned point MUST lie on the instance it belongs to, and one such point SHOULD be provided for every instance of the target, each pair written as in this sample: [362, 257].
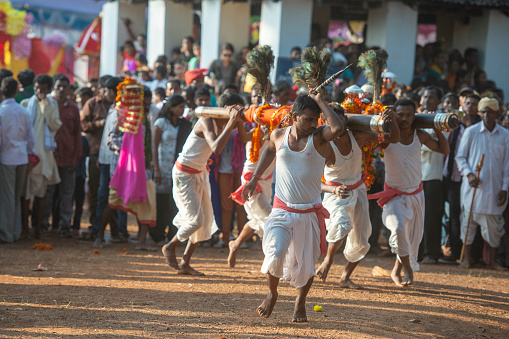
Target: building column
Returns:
[114, 33]
[393, 27]
[222, 23]
[285, 24]
[168, 24]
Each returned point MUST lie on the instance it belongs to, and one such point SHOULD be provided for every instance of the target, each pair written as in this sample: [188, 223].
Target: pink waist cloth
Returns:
[129, 178]
[389, 192]
[350, 187]
[321, 213]
[237, 195]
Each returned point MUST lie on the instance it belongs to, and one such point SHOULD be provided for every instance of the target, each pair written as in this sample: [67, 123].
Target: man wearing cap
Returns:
[492, 140]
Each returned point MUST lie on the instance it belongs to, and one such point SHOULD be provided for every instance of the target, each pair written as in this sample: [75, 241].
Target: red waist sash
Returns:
[350, 187]
[389, 192]
[321, 213]
[237, 195]
[191, 170]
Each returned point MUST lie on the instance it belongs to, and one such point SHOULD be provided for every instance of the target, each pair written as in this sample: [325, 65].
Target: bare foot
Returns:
[497, 267]
[408, 280]
[396, 277]
[170, 256]
[232, 257]
[323, 270]
[465, 264]
[350, 284]
[266, 307]
[188, 270]
[97, 243]
[299, 314]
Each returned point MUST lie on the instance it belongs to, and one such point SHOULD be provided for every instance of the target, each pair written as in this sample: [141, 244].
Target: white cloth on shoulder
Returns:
[49, 140]
[349, 217]
[195, 217]
[291, 245]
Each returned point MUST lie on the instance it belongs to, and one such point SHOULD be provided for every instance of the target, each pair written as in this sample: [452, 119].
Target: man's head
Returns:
[9, 87]
[282, 92]
[93, 84]
[180, 70]
[110, 89]
[202, 97]
[42, 85]
[26, 77]
[4, 73]
[489, 109]
[188, 93]
[147, 98]
[160, 72]
[295, 53]
[431, 98]
[470, 104]
[471, 57]
[388, 99]
[129, 48]
[230, 88]
[83, 95]
[60, 87]
[230, 99]
[102, 85]
[187, 44]
[173, 87]
[450, 102]
[227, 52]
[142, 40]
[158, 95]
[256, 97]
[306, 113]
[405, 113]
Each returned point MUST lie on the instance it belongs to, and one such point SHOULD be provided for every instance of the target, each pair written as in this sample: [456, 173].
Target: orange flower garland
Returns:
[369, 149]
[254, 154]
[129, 105]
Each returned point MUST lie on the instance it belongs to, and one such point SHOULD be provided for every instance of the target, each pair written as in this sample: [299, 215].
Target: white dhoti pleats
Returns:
[258, 207]
[492, 227]
[291, 246]
[349, 217]
[404, 217]
[195, 218]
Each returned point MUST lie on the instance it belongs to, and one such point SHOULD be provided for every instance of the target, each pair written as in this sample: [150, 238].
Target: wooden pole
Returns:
[477, 174]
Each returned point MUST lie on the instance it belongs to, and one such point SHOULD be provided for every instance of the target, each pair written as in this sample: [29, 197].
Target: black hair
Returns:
[103, 79]
[112, 83]
[161, 70]
[388, 99]
[162, 59]
[26, 77]
[160, 91]
[174, 81]
[231, 86]
[44, 79]
[404, 102]
[475, 96]
[128, 43]
[9, 87]
[142, 58]
[229, 99]
[228, 47]
[201, 92]
[61, 77]
[84, 91]
[470, 51]
[190, 90]
[451, 95]
[296, 48]
[147, 93]
[281, 85]
[190, 39]
[173, 101]
[437, 90]
[4, 73]
[304, 101]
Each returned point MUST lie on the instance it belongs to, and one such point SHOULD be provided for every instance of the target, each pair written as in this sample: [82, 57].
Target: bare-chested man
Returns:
[191, 187]
[295, 229]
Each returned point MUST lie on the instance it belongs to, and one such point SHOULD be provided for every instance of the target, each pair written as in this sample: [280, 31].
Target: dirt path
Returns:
[136, 295]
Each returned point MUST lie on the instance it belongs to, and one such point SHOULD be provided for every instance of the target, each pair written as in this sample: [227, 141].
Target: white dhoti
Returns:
[291, 245]
[404, 217]
[195, 218]
[349, 217]
[258, 207]
[492, 227]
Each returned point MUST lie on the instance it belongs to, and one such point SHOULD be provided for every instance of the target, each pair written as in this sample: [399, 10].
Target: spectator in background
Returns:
[295, 54]
[46, 122]
[79, 188]
[173, 87]
[160, 79]
[224, 69]
[194, 62]
[67, 156]
[388, 99]
[161, 60]
[144, 78]
[93, 117]
[129, 52]
[83, 95]
[158, 97]
[282, 92]
[93, 84]
[168, 137]
[186, 51]
[179, 70]
[16, 144]
[26, 81]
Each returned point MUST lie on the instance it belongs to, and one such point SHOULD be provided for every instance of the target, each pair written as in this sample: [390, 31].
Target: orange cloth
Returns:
[389, 192]
[195, 74]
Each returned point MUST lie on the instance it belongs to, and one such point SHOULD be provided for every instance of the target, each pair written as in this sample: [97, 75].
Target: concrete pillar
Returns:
[496, 62]
[168, 24]
[220, 23]
[114, 33]
[285, 24]
[393, 27]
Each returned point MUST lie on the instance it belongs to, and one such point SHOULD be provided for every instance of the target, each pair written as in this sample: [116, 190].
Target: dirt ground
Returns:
[132, 294]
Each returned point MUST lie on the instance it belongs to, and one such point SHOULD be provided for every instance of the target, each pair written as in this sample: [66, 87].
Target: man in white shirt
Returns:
[492, 140]
[160, 78]
[432, 169]
[16, 143]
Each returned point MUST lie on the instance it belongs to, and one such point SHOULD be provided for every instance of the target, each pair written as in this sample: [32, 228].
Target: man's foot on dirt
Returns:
[188, 270]
[232, 256]
[267, 305]
[170, 256]
[350, 284]
[299, 314]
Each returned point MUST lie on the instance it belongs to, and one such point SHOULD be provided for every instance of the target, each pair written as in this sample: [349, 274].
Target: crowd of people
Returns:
[58, 142]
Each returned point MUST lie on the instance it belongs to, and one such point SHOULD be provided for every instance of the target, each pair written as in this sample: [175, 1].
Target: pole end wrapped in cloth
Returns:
[321, 213]
[442, 121]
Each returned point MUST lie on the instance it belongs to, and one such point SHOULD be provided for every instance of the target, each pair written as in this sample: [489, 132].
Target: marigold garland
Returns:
[254, 154]
[130, 105]
[369, 149]
[41, 246]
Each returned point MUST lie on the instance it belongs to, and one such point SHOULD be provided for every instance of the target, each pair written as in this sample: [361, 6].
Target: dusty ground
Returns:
[136, 295]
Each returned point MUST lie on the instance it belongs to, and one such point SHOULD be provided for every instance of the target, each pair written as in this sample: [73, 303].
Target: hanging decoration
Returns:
[129, 105]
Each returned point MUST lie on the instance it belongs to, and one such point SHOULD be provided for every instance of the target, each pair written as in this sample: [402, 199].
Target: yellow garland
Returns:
[15, 19]
[129, 114]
